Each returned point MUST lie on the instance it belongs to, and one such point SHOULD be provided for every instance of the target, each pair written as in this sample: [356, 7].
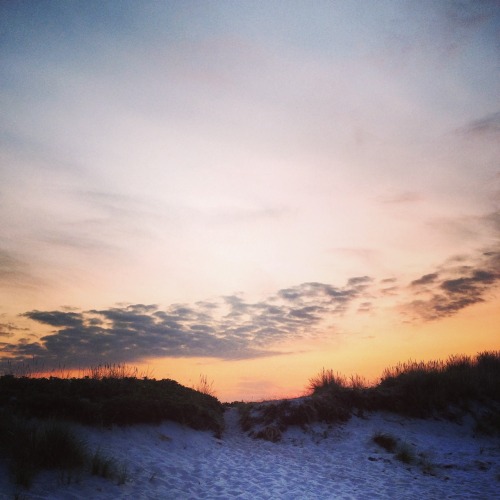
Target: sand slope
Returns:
[172, 461]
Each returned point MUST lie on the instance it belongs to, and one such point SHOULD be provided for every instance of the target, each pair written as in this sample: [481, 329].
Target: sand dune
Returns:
[339, 461]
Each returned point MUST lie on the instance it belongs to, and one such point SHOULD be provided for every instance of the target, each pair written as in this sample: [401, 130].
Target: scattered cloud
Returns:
[389, 290]
[9, 329]
[425, 279]
[469, 13]
[487, 126]
[365, 307]
[454, 287]
[389, 286]
[56, 318]
[230, 328]
[389, 280]
[233, 328]
[461, 281]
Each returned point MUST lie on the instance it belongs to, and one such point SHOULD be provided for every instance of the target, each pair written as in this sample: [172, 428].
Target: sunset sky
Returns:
[249, 190]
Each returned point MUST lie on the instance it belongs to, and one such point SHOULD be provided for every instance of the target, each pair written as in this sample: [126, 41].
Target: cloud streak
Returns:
[488, 126]
[15, 272]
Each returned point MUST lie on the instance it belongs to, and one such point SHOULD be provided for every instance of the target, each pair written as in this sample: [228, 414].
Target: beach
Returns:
[448, 460]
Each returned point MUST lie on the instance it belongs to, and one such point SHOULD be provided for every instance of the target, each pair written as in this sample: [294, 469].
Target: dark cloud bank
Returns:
[228, 329]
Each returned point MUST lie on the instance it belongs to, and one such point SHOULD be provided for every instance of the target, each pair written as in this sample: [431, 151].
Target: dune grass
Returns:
[35, 416]
[447, 389]
[422, 388]
[419, 389]
[386, 441]
[30, 446]
[115, 395]
[107, 467]
[328, 381]
[401, 450]
[111, 395]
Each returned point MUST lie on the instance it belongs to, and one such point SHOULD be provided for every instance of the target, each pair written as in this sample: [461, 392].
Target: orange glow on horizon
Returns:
[275, 377]
[378, 344]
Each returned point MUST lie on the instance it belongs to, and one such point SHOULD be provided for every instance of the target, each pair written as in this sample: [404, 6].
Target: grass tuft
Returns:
[102, 465]
[405, 453]
[386, 441]
[108, 468]
[58, 447]
[205, 386]
[31, 446]
[402, 451]
[269, 433]
[113, 371]
[327, 381]
[419, 389]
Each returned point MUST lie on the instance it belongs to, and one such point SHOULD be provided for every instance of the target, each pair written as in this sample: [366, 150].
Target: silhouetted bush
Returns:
[419, 389]
[327, 381]
[415, 389]
[108, 401]
[269, 433]
[258, 418]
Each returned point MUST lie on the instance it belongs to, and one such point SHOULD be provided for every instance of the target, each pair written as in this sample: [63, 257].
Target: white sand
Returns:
[341, 461]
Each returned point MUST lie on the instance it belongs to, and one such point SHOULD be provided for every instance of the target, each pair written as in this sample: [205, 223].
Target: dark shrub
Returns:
[108, 401]
[30, 446]
[386, 441]
[58, 447]
[405, 454]
[269, 433]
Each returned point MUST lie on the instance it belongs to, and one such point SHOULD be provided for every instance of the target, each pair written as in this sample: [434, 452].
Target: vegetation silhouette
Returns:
[110, 395]
[446, 389]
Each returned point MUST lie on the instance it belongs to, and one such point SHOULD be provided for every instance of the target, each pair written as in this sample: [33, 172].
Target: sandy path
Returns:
[170, 461]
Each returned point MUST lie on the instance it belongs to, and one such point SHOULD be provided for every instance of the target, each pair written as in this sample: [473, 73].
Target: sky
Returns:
[249, 191]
